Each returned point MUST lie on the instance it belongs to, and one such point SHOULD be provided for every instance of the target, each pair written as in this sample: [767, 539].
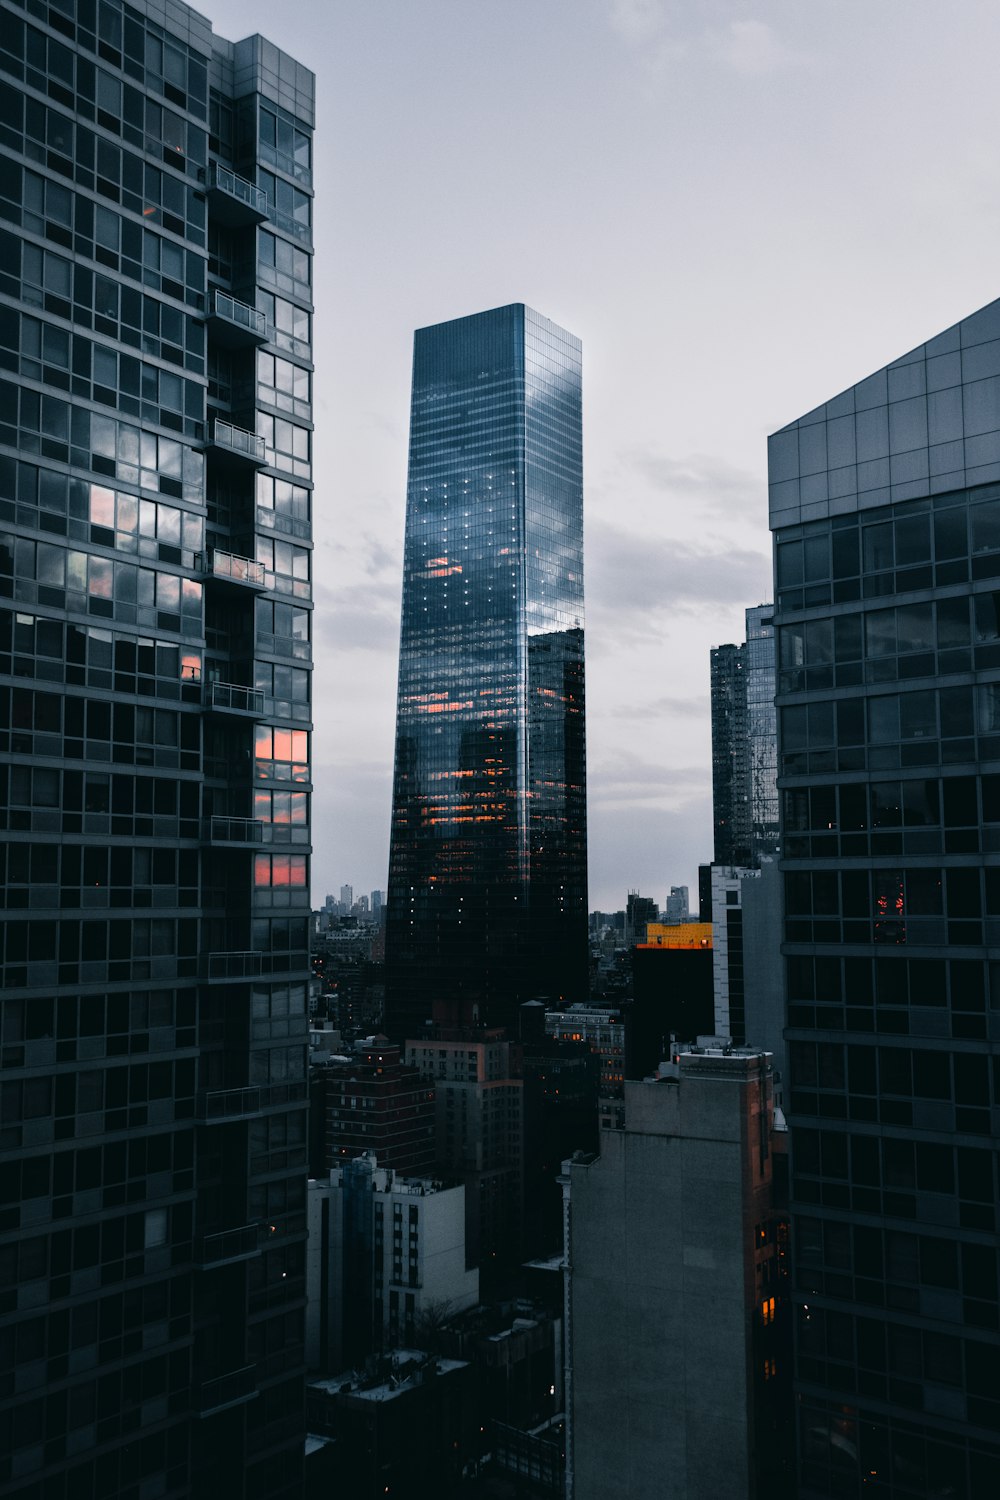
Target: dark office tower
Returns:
[744, 752]
[487, 900]
[155, 197]
[730, 811]
[885, 505]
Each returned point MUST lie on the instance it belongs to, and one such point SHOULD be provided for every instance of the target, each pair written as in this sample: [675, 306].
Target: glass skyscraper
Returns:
[885, 505]
[744, 745]
[487, 895]
[155, 496]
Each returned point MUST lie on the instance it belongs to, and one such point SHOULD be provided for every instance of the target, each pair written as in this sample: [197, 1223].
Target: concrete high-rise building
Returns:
[747, 976]
[885, 507]
[744, 787]
[487, 903]
[386, 1257]
[347, 899]
[675, 1253]
[677, 904]
[155, 498]
[479, 1102]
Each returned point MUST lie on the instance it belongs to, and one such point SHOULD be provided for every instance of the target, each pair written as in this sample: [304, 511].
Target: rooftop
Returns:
[404, 1370]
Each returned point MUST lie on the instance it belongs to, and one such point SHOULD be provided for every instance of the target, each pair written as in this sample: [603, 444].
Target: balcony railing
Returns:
[217, 1106]
[226, 567]
[232, 199]
[226, 1390]
[236, 442]
[228, 1245]
[233, 323]
[232, 698]
[222, 967]
[228, 1104]
[222, 830]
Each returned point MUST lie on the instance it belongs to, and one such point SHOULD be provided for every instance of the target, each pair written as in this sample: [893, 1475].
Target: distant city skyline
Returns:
[737, 210]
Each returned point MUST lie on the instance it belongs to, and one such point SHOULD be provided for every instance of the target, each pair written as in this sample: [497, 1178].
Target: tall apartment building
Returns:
[487, 899]
[155, 492]
[371, 1101]
[885, 505]
[744, 787]
[479, 1100]
[674, 1251]
[730, 811]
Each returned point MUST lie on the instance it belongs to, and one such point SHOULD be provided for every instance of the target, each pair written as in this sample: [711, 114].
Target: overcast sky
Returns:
[741, 208]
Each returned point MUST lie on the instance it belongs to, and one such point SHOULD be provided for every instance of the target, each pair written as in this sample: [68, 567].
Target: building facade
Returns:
[603, 1030]
[677, 905]
[675, 1266]
[371, 1101]
[744, 747]
[730, 809]
[479, 1102]
[672, 994]
[885, 505]
[155, 297]
[386, 1262]
[487, 870]
[747, 978]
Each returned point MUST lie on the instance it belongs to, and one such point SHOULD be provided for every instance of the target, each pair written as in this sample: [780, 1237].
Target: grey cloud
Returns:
[638, 21]
[708, 481]
[362, 615]
[746, 46]
[629, 780]
[627, 573]
[753, 49]
[695, 707]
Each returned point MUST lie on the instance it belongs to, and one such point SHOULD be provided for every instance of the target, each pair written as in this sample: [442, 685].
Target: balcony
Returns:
[228, 1246]
[232, 698]
[232, 200]
[235, 445]
[228, 569]
[222, 1106]
[217, 1106]
[221, 830]
[226, 1390]
[234, 324]
[226, 968]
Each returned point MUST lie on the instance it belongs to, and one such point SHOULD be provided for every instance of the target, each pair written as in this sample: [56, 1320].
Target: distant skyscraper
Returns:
[639, 910]
[487, 875]
[885, 505]
[155, 502]
[347, 898]
[761, 731]
[677, 904]
[729, 775]
[744, 790]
